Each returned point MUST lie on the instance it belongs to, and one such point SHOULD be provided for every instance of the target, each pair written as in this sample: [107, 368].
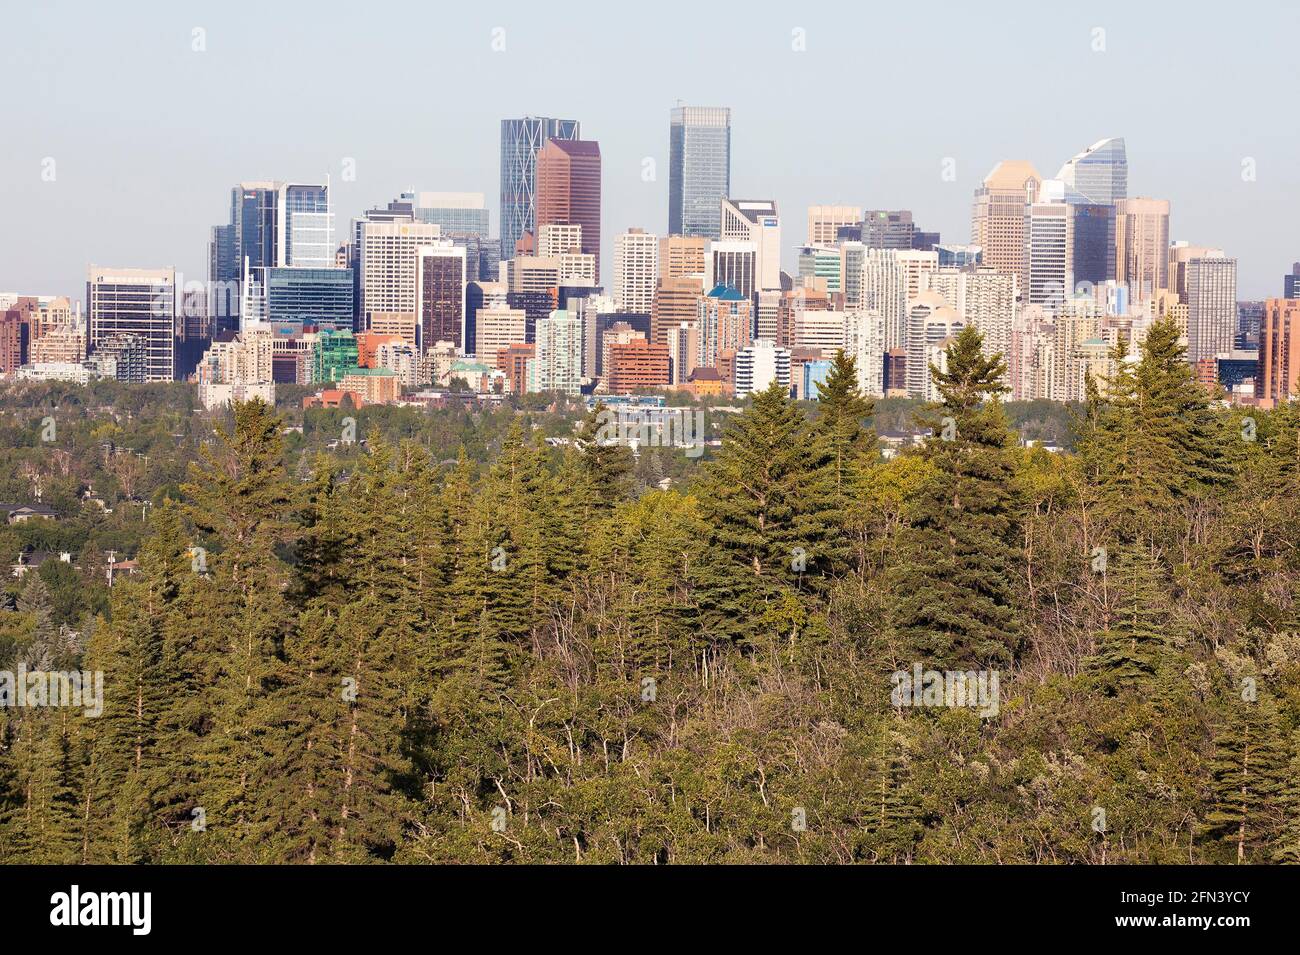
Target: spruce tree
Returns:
[954, 587]
[1136, 644]
[607, 463]
[1246, 777]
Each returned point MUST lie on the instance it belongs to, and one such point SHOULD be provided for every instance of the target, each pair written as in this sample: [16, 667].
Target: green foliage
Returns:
[481, 636]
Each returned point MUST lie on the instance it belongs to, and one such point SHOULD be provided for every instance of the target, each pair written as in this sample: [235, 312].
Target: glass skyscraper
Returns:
[1099, 173]
[699, 169]
[320, 297]
[521, 139]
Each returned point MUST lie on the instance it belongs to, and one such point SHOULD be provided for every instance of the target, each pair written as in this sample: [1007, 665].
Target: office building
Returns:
[1142, 247]
[999, 220]
[134, 302]
[674, 303]
[757, 222]
[568, 190]
[1099, 173]
[681, 256]
[521, 139]
[637, 365]
[825, 222]
[1211, 287]
[303, 297]
[699, 169]
[440, 294]
[389, 262]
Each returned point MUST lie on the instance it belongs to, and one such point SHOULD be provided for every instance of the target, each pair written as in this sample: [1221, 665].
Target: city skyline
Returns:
[774, 153]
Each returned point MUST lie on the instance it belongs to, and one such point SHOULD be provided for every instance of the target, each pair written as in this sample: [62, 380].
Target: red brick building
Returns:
[637, 366]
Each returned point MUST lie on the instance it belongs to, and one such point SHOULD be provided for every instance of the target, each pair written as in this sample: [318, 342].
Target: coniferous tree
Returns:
[1246, 775]
[1136, 644]
[955, 585]
[607, 462]
[243, 500]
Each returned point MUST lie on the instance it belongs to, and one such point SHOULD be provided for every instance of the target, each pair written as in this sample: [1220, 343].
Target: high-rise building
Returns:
[890, 280]
[1291, 283]
[498, 328]
[568, 190]
[389, 262]
[894, 229]
[636, 270]
[300, 297]
[760, 363]
[864, 340]
[457, 214]
[725, 320]
[273, 224]
[1099, 173]
[733, 263]
[440, 294]
[699, 169]
[931, 320]
[637, 365]
[1142, 247]
[682, 255]
[984, 298]
[1092, 244]
[1000, 217]
[1279, 353]
[557, 365]
[825, 222]
[521, 140]
[1211, 284]
[135, 302]
[1048, 252]
[756, 221]
[674, 303]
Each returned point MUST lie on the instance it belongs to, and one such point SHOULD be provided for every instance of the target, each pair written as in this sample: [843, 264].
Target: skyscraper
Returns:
[389, 258]
[273, 224]
[1099, 173]
[1142, 246]
[1048, 250]
[699, 169]
[1211, 283]
[636, 270]
[568, 190]
[825, 222]
[1279, 352]
[1291, 282]
[755, 221]
[134, 304]
[440, 279]
[557, 365]
[1000, 217]
[521, 140]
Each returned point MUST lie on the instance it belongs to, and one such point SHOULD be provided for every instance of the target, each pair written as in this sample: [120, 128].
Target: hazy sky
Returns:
[147, 135]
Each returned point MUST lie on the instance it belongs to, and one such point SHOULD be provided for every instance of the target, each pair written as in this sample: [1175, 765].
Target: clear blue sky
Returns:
[148, 135]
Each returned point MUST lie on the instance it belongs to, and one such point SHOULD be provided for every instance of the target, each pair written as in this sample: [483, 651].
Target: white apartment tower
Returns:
[636, 270]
